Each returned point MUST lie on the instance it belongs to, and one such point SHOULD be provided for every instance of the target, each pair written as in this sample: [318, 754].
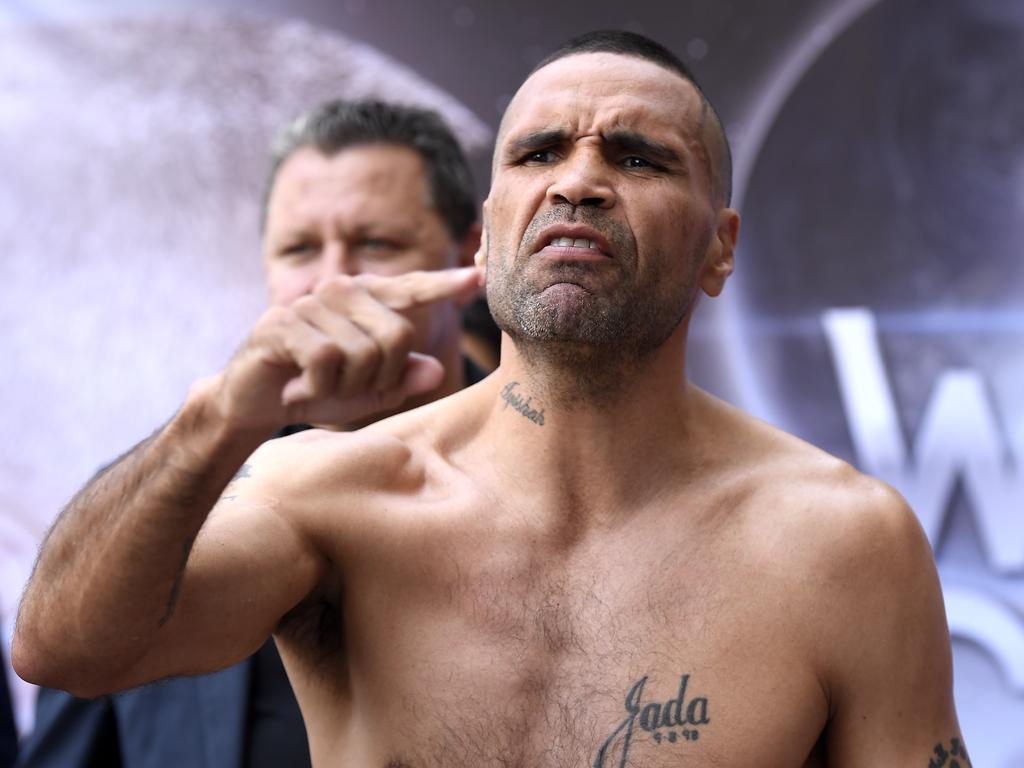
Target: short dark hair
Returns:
[716, 143]
[339, 124]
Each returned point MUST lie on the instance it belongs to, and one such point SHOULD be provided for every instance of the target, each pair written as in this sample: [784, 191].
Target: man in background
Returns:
[354, 188]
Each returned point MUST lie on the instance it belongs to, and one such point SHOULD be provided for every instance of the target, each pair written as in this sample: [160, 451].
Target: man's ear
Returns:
[718, 261]
[480, 257]
[469, 246]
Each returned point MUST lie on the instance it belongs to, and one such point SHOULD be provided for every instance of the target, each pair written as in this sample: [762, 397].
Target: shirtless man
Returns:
[354, 187]
[581, 561]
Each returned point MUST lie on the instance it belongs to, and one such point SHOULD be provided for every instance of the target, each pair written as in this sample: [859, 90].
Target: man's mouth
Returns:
[572, 241]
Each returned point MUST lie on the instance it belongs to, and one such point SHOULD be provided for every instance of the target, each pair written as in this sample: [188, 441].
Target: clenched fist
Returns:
[339, 354]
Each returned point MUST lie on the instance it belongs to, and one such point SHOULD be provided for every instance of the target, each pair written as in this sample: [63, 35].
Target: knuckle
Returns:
[276, 316]
[365, 350]
[399, 334]
[272, 323]
[302, 305]
[325, 354]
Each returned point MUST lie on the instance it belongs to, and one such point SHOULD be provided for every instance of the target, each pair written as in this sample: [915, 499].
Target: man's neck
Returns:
[598, 447]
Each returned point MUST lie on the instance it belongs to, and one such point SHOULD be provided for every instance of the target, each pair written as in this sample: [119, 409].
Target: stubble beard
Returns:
[586, 344]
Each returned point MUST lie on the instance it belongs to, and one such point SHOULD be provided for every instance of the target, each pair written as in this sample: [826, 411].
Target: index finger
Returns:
[414, 289]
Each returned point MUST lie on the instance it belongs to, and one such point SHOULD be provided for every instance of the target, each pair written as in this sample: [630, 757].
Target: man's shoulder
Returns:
[782, 465]
[850, 540]
[432, 429]
[325, 459]
[829, 512]
[859, 573]
[816, 483]
[846, 518]
[396, 454]
[845, 548]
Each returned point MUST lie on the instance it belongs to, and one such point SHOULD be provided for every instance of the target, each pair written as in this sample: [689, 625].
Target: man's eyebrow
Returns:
[629, 141]
[535, 140]
[287, 235]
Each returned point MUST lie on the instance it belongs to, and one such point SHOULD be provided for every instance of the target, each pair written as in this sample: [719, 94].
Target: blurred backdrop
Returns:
[877, 309]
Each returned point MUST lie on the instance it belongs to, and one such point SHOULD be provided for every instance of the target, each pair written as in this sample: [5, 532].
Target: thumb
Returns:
[422, 373]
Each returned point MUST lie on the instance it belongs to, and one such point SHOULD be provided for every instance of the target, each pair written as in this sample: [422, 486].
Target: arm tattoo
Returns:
[674, 721]
[955, 756]
[243, 472]
[521, 404]
[172, 600]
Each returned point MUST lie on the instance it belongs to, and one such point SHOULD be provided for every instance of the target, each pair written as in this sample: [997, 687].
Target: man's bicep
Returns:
[893, 702]
[248, 566]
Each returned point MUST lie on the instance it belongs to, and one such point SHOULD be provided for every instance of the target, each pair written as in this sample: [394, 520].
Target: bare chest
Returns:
[638, 651]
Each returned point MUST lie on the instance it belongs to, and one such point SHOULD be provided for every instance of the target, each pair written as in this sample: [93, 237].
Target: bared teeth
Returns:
[568, 242]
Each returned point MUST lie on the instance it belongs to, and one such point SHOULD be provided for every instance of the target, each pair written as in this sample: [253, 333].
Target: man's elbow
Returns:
[30, 665]
[34, 664]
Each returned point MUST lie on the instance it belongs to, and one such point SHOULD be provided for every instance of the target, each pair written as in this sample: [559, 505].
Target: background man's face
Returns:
[610, 143]
[366, 209]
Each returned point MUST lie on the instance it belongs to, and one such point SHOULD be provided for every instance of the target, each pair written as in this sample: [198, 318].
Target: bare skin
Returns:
[549, 568]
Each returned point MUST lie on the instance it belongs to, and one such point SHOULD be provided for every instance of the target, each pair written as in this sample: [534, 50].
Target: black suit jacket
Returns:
[190, 721]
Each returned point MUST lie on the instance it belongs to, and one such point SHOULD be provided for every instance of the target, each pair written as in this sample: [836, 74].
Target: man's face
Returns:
[604, 151]
[366, 209]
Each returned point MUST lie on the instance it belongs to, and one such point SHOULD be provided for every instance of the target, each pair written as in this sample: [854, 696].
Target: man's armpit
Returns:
[315, 624]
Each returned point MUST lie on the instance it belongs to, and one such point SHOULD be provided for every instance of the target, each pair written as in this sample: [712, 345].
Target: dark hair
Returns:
[716, 143]
[339, 124]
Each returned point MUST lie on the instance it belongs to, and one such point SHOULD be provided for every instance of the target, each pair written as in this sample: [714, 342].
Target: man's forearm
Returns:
[100, 609]
[109, 573]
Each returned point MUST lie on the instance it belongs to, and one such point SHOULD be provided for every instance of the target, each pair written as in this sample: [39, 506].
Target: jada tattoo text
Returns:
[675, 721]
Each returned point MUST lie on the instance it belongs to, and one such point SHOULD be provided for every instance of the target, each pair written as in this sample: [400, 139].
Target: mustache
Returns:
[615, 232]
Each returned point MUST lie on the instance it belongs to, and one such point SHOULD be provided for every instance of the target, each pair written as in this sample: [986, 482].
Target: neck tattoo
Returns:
[522, 404]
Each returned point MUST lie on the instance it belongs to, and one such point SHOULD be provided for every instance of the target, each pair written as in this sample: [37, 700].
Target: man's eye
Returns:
[378, 244]
[297, 249]
[539, 157]
[637, 162]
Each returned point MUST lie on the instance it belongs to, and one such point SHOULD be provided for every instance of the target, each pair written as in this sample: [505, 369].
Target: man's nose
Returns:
[583, 179]
[336, 258]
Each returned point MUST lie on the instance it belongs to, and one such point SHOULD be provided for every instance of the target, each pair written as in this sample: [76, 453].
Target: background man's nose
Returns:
[336, 259]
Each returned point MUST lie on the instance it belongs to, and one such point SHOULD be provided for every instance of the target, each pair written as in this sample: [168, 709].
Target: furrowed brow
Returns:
[534, 141]
[627, 141]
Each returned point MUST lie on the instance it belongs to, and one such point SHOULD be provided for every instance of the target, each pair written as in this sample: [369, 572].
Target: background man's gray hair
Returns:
[339, 124]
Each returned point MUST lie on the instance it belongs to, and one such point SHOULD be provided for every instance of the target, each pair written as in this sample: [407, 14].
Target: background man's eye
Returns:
[379, 244]
[297, 249]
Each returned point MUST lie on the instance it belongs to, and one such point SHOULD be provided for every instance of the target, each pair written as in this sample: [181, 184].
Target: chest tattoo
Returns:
[675, 720]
